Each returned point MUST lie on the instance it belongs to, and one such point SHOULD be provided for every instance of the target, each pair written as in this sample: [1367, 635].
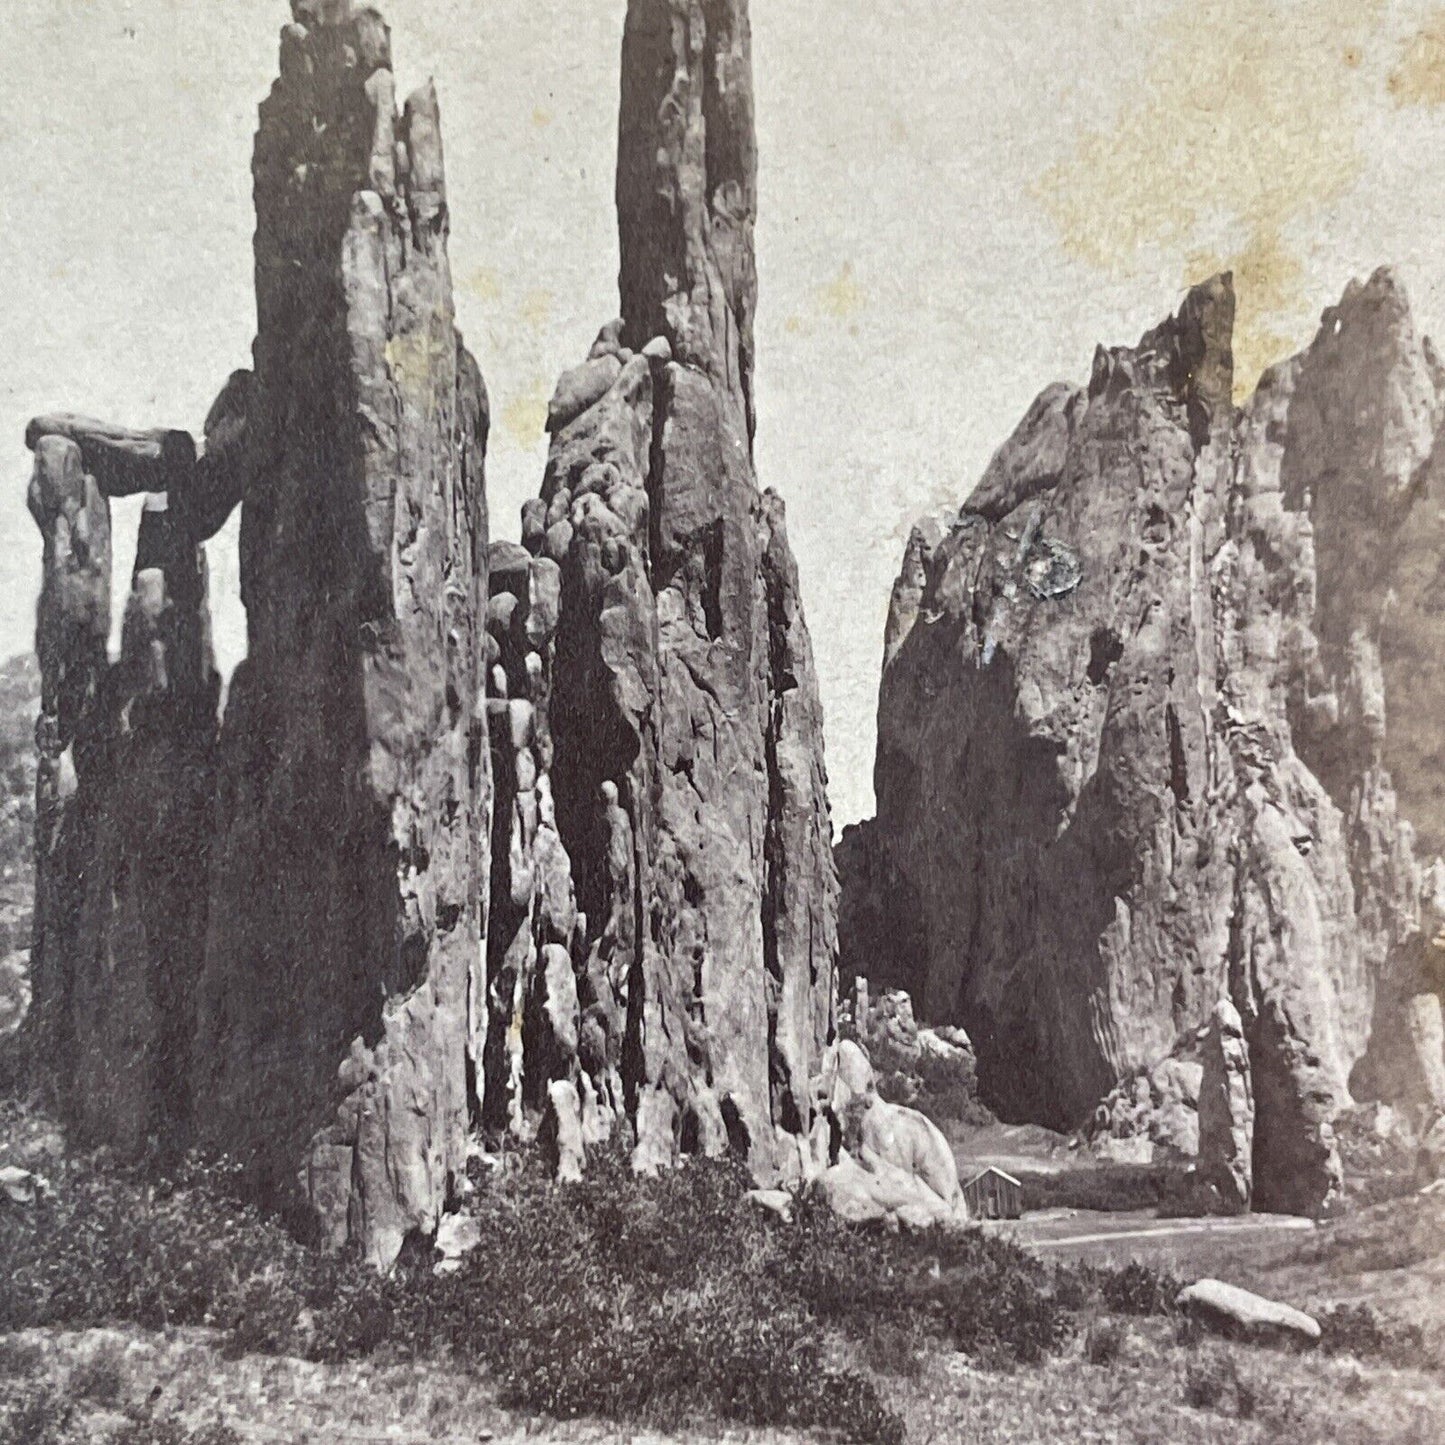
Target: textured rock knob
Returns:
[316, 13]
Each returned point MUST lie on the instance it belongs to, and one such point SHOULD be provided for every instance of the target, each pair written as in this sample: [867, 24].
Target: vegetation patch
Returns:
[652, 1301]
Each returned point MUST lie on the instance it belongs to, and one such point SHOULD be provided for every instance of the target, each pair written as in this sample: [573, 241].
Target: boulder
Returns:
[20, 1186]
[890, 1163]
[1239, 1313]
[456, 1237]
[776, 1202]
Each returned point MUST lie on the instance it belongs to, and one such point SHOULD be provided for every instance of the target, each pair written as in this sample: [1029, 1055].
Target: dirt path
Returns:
[1100, 1238]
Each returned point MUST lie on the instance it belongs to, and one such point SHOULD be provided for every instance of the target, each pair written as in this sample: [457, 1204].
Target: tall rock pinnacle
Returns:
[305, 936]
[681, 752]
[339, 998]
[272, 943]
[687, 191]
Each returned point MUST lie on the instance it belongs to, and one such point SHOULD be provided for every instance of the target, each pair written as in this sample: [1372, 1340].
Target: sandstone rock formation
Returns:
[271, 942]
[932, 1069]
[886, 1163]
[671, 723]
[1133, 752]
[1152, 1114]
[343, 950]
[125, 782]
[304, 935]
[1226, 1113]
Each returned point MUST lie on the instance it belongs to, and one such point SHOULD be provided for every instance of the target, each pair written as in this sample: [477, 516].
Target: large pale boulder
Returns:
[890, 1163]
[1240, 1312]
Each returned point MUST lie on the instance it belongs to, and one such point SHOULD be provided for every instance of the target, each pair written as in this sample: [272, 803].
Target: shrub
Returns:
[262, 1315]
[1358, 1330]
[34, 1414]
[143, 1429]
[1217, 1379]
[1206, 1382]
[1104, 1342]
[980, 1292]
[625, 1298]
[894, 1347]
[101, 1378]
[1139, 1289]
[108, 1247]
[1352, 1330]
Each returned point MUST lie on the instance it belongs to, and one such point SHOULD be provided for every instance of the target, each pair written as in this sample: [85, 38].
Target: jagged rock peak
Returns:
[687, 186]
[681, 738]
[1133, 753]
[271, 941]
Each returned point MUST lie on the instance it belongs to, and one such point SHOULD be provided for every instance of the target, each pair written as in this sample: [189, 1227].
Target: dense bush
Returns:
[109, 1246]
[1104, 1342]
[142, 1429]
[1216, 1382]
[1108, 1188]
[1358, 1330]
[615, 1297]
[980, 1293]
[1132, 1289]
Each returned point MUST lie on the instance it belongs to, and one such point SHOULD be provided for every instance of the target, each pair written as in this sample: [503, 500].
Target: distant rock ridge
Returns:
[532, 839]
[1137, 747]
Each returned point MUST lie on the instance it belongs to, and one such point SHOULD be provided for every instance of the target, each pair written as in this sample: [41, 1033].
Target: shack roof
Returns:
[1000, 1173]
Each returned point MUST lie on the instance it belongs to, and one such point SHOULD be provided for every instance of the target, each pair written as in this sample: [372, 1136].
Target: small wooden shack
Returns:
[993, 1194]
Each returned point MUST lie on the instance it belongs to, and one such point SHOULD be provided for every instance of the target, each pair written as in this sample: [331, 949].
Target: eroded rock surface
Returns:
[675, 718]
[1226, 1113]
[1134, 750]
[307, 937]
[1241, 1314]
[342, 987]
[125, 782]
[885, 1163]
[270, 941]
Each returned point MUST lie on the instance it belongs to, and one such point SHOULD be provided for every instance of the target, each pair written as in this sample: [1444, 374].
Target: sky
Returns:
[958, 201]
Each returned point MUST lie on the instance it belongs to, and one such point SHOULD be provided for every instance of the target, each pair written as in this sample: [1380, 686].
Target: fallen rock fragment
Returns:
[20, 1186]
[1238, 1312]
